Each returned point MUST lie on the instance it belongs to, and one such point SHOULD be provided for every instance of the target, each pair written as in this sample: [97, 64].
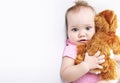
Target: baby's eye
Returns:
[88, 27]
[75, 29]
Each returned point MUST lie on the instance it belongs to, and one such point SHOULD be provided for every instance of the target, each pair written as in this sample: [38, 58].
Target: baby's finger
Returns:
[92, 71]
[99, 66]
[101, 61]
[101, 57]
[97, 54]
[86, 54]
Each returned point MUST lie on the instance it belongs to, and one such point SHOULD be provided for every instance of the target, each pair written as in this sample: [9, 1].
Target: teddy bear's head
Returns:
[106, 21]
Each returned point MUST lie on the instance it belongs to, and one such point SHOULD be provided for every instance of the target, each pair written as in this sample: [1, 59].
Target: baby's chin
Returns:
[81, 43]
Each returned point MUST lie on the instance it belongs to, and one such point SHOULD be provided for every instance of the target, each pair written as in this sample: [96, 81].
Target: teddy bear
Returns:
[106, 41]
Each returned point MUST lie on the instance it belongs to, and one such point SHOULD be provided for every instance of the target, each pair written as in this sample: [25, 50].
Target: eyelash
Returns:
[75, 29]
[88, 27]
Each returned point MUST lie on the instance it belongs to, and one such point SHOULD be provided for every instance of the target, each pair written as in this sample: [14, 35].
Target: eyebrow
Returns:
[74, 26]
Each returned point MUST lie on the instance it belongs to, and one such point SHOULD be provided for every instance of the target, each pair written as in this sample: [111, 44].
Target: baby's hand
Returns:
[94, 61]
[94, 72]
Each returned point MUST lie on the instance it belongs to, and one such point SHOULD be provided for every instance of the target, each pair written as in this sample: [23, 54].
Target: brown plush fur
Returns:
[104, 40]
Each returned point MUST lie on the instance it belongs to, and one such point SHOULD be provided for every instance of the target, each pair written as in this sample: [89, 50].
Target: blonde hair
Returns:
[77, 6]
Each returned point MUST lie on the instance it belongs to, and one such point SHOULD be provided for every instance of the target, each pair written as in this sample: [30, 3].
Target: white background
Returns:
[32, 38]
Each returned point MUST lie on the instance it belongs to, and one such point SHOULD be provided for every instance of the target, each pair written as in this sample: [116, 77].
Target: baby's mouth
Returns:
[82, 40]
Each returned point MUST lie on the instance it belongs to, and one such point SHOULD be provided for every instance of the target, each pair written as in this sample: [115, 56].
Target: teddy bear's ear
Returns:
[101, 24]
[109, 15]
[111, 19]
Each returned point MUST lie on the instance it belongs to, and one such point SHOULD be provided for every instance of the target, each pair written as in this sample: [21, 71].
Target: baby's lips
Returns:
[82, 40]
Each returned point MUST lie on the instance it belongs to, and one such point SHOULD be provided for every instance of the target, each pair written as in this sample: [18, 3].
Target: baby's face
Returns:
[81, 25]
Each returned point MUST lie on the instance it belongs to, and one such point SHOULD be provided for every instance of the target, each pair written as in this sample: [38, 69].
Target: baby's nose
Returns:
[81, 34]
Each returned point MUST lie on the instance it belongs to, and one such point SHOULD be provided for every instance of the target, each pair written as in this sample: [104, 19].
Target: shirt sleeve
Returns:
[70, 51]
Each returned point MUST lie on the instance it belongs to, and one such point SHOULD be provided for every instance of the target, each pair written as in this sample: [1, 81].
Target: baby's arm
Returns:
[71, 72]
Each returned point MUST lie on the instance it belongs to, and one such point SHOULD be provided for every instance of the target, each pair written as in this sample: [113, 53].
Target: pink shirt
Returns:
[71, 51]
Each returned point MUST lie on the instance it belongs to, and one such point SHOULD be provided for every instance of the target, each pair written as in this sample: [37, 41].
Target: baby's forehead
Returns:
[81, 8]
[82, 11]
[83, 14]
